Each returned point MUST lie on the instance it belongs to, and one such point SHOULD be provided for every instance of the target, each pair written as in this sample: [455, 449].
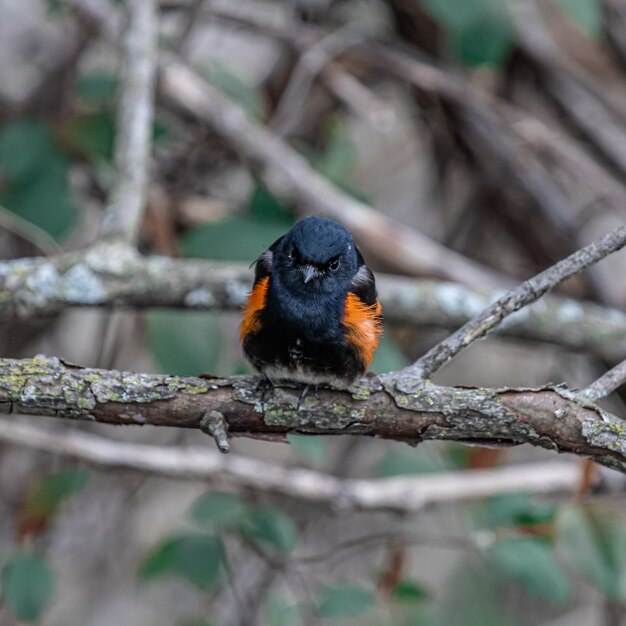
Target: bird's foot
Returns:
[305, 393]
[264, 387]
[214, 424]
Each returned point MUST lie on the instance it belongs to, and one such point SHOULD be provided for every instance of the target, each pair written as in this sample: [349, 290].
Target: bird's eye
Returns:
[293, 254]
[333, 265]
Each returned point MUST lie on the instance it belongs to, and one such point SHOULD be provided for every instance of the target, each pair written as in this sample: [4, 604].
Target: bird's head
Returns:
[316, 256]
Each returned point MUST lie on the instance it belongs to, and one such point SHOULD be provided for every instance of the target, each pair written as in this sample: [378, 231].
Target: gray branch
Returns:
[289, 176]
[402, 494]
[112, 275]
[606, 384]
[526, 293]
[551, 417]
[134, 122]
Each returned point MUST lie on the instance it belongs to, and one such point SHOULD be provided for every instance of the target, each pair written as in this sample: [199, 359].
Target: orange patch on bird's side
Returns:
[255, 304]
[364, 325]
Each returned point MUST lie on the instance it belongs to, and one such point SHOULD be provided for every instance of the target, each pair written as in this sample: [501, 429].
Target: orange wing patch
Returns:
[255, 304]
[364, 324]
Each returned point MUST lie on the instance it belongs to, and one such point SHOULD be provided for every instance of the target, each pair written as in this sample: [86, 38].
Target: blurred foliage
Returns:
[310, 449]
[586, 14]
[185, 343]
[27, 586]
[530, 562]
[345, 600]
[196, 558]
[234, 87]
[397, 461]
[34, 176]
[512, 509]
[269, 527]
[46, 496]
[593, 541]
[480, 32]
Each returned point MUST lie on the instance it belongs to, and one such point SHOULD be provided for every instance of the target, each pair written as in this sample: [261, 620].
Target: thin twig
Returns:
[134, 123]
[29, 232]
[529, 291]
[606, 384]
[406, 494]
[311, 63]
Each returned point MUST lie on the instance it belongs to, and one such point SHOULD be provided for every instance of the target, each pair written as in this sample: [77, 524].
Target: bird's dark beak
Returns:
[308, 272]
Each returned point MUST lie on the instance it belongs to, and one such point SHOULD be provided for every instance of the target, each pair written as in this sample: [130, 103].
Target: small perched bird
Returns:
[312, 315]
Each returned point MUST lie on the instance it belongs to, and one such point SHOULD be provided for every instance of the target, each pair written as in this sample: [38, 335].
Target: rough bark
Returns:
[551, 417]
[114, 275]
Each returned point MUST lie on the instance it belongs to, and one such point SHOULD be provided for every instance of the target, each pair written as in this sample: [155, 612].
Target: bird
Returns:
[313, 314]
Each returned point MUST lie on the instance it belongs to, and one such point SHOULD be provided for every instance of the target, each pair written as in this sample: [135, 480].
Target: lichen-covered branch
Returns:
[529, 291]
[551, 417]
[114, 275]
[405, 494]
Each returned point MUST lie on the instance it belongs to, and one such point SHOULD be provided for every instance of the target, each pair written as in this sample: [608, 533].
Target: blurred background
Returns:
[496, 128]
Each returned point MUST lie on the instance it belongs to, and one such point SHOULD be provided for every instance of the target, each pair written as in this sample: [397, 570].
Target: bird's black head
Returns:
[316, 256]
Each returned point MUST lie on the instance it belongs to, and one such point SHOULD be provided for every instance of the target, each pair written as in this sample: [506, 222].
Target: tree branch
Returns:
[111, 275]
[134, 122]
[404, 494]
[606, 384]
[550, 417]
[290, 176]
[529, 291]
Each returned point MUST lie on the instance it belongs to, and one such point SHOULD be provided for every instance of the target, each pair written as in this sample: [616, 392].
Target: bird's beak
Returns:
[308, 272]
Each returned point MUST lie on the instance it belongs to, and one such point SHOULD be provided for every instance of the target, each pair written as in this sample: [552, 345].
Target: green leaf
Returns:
[25, 145]
[97, 88]
[36, 177]
[235, 238]
[92, 135]
[409, 591]
[219, 510]
[389, 357]
[52, 490]
[480, 31]
[270, 527]
[266, 206]
[28, 586]
[338, 159]
[530, 563]
[236, 89]
[473, 596]
[586, 14]
[345, 600]
[593, 541]
[195, 558]
[184, 343]
[396, 462]
[312, 449]
[511, 510]
[278, 612]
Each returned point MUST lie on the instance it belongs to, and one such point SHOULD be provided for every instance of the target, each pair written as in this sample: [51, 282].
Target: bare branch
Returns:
[289, 176]
[312, 62]
[112, 276]
[550, 417]
[529, 291]
[606, 384]
[134, 122]
[406, 494]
